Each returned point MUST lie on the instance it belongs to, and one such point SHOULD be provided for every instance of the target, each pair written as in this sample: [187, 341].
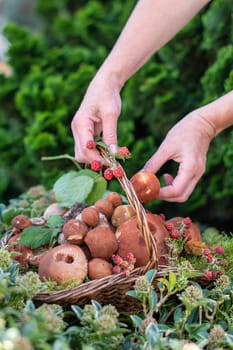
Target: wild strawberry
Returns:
[187, 221]
[214, 275]
[219, 250]
[124, 152]
[108, 174]
[208, 274]
[175, 234]
[210, 258]
[118, 172]
[130, 257]
[116, 269]
[126, 272]
[169, 226]
[90, 144]
[96, 165]
[117, 259]
[206, 251]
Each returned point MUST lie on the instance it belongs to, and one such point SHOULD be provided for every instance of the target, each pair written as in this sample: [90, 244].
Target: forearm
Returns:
[219, 113]
[151, 25]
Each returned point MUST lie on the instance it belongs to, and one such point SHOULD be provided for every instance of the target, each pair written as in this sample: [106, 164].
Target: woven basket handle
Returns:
[126, 185]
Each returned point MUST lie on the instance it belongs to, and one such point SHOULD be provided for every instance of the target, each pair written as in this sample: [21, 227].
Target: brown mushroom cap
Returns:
[25, 252]
[105, 207]
[101, 242]
[130, 239]
[121, 214]
[115, 198]
[146, 186]
[74, 231]
[20, 222]
[90, 216]
[63, 263]
[99, 268]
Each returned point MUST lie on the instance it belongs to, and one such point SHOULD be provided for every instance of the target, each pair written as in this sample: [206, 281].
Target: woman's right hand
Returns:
[97, 115]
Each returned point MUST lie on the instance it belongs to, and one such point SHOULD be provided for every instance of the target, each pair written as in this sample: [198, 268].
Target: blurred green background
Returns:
[55, 48]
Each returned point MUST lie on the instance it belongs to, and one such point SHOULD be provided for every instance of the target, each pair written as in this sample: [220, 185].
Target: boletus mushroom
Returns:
[146, 186]
[74, 231]
[63, 263]
[99, 268]
[130, 239]
[101, 242]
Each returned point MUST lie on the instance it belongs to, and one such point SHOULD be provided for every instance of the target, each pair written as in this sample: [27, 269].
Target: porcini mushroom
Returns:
[63, 263]
[146, 186]
[121, 214]
[74, 231]
[99, 268]
[101, 242]
[130, 239]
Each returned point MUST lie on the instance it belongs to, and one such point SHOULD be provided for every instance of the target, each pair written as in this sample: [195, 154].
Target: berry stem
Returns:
[63, 156]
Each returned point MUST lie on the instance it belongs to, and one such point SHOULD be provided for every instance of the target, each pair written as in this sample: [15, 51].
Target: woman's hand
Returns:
[97, 114]
[187, 143]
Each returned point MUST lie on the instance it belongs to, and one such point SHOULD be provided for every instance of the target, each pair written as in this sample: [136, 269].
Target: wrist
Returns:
[112, 76]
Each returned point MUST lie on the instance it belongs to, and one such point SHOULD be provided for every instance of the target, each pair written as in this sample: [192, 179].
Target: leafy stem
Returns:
[64, 156]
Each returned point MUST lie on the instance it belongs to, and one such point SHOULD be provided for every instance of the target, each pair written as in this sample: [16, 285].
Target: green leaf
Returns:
[72, 188]
[150, 275]
[100, 186]
[172, 281]
[35, 236]
[78, 311]
[55, 221]
[152, 334]
[153, 299]
[136, 320]
[133, 294]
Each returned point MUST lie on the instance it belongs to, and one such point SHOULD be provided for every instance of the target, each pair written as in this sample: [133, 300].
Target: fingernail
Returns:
[113, 148]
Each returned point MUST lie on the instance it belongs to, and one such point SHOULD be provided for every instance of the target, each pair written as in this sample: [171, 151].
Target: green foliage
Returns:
[52, 69]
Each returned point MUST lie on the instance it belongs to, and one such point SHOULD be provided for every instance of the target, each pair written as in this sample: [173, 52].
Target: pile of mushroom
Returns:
[91, 237]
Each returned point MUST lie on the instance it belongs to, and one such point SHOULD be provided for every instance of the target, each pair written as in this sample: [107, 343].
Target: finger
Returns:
[110, 131]
[181, 187]
[82, 134]
[168, 179]
[159, 158]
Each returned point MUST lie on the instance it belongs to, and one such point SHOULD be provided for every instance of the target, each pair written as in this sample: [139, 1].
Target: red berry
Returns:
[187, 221]
[90, 144]
[175, 234]
[117, 259]
[124, 152]
[210, 258]
[116, 269]
[108, 174]
[130, 257]
[208, 274]
[219, 250]
[96, 165]
[169, 226]
[206, 251]
[126, 272]
[118, 172]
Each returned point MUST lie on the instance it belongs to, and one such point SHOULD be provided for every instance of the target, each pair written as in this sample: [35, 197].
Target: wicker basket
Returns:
[113, 289]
